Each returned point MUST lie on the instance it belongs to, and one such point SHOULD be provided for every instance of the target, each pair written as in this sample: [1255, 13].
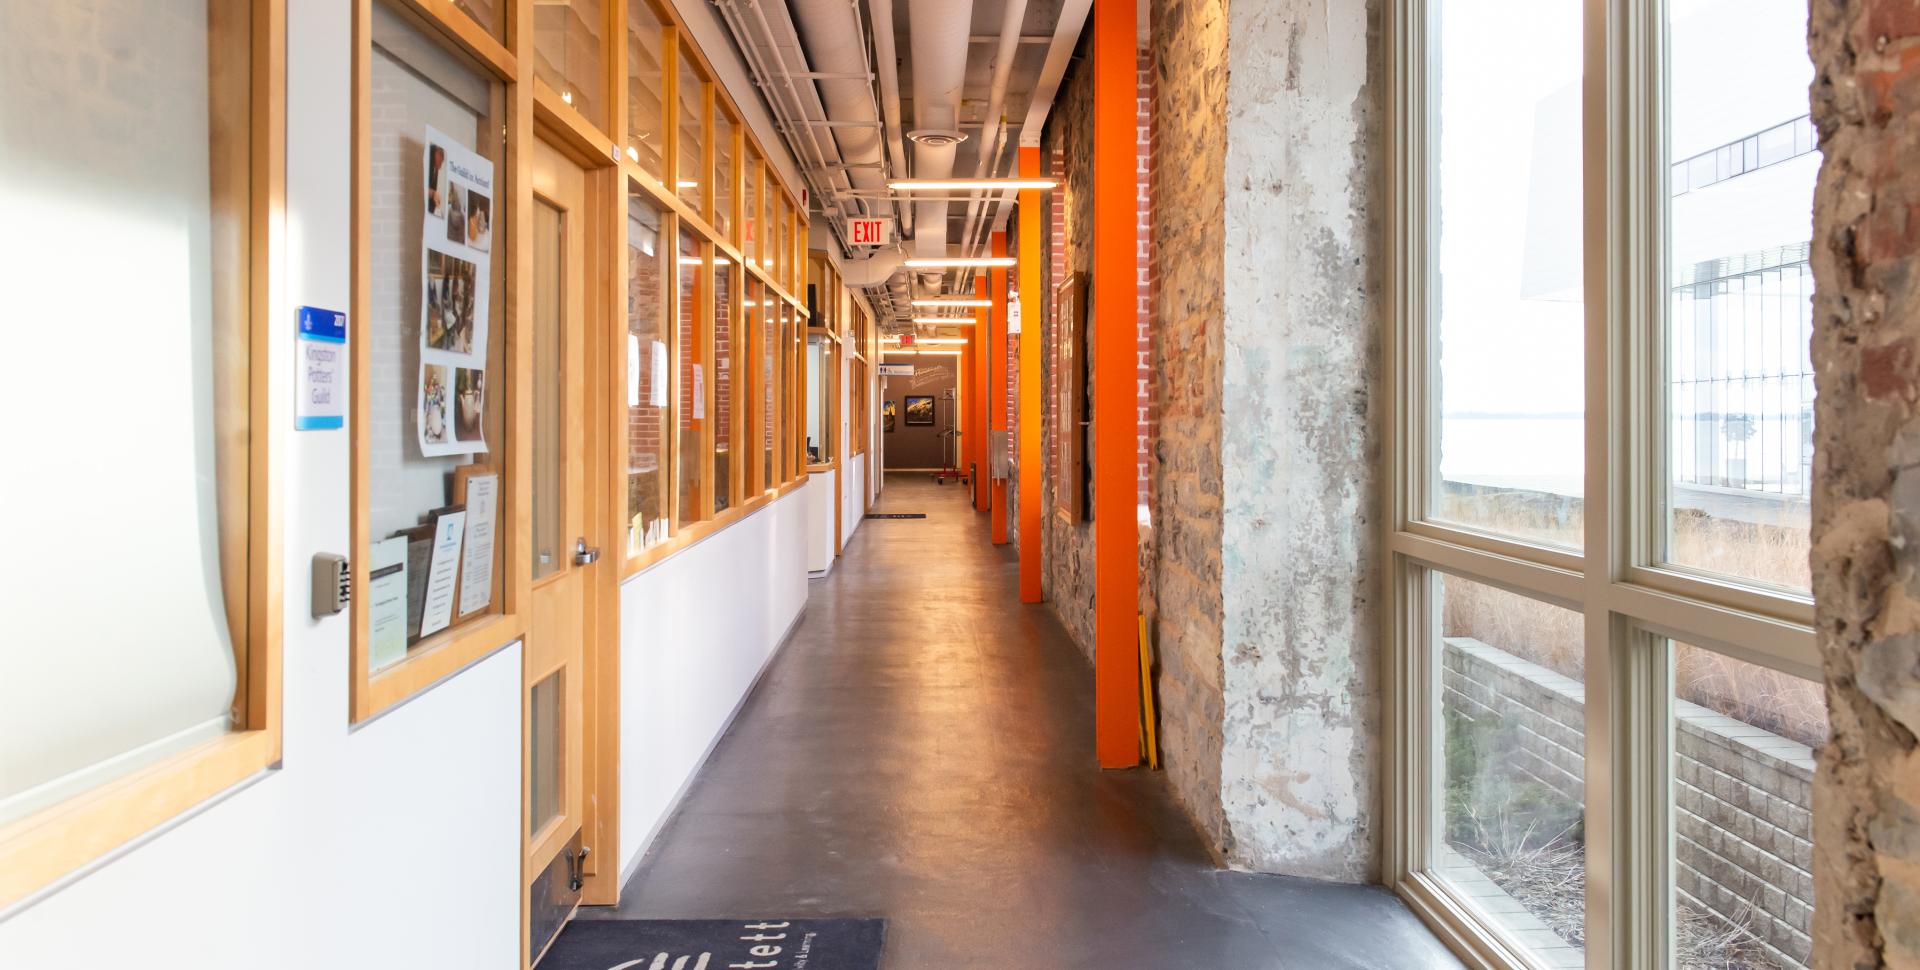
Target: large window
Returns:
[649, 381]
[1601, 463]
[696, 459]
[646, 87]
[125, 703]
[567, 44]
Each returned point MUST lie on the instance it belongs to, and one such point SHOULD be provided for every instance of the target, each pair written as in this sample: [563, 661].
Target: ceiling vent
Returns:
[935, 137]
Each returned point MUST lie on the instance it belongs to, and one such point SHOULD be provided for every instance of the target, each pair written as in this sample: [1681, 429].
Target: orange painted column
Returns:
[1113, 326]
[997, 383]
[1032, 345]
[978, 406]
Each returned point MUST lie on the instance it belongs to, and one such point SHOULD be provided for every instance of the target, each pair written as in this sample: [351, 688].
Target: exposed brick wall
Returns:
[1866, 501]
[1189, 147]
[646, 447]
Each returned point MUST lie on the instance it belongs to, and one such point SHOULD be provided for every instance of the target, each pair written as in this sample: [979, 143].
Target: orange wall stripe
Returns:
[977, 410]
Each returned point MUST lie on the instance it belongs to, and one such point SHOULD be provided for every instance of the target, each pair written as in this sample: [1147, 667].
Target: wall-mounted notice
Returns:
[1013, 311]
[477, 488]
[658, 396]
[455, 256]
[699, 392]
[321, 355]
[387, 601]
[443, 567]
[896, 370]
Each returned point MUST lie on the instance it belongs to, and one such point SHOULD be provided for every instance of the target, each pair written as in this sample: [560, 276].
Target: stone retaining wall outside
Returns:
[1743, 813]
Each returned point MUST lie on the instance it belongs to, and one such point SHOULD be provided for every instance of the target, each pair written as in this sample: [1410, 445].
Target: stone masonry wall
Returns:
[1866, 502]
[1299, 445]
[1743, 796]
[1189, 51]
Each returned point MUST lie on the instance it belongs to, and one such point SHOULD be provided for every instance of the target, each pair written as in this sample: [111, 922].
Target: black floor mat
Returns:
[896, 515]
[717, 944]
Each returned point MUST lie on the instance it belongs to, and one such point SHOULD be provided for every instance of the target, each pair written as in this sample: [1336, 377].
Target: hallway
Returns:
[920, 751]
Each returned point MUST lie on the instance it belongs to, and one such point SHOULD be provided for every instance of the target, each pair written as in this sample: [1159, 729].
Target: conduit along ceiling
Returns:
[870, 91]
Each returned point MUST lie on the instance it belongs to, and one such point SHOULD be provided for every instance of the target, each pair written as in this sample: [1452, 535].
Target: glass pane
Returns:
[648, 383]
[570, 52]
[1739, 394]
[1745, 738]
[722, 383]
[768, 339]
[1513, 722]
[693, 462]
[549, 455]
[783, 242]
[788, 390]
[490, 14]
[646, 79]
[436, 305]
[819, 407]
[723, 174]
[1510, 388]
[693, 113]
[545, 753]
[128, 387]
[749, 233]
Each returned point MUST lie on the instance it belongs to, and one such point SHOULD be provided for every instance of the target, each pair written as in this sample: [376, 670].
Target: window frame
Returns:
[43, 850]
[1629, 600]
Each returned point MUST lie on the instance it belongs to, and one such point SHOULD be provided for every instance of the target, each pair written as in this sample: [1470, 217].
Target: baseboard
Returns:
[673, 804]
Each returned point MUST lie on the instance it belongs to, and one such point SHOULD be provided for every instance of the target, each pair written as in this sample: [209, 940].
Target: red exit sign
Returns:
[869, 232]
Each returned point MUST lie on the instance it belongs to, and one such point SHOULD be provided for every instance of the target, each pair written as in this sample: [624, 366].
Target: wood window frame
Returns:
[1629, 599]
[42, 850]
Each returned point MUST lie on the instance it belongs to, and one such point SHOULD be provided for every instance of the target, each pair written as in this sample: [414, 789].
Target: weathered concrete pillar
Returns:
[1866, 503]
[1269, 321]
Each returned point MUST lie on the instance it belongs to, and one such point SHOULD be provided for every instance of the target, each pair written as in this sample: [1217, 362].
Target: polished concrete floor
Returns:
[922, 750]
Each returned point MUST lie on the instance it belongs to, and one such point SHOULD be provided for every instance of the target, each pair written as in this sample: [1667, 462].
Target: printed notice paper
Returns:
[321, 354]
[456, 272]
[658, 396]
[482, 499]
[387, 601]
[443, 565]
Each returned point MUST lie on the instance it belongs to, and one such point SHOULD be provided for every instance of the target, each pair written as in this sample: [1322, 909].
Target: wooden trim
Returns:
[447, 19]
[43, 848]
[564, 127]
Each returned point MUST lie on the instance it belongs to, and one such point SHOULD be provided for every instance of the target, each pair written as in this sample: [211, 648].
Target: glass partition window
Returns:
[151, 435]
[646, 80]
[649, 383]
[783, 270]
[435, 418]
[767, 341]
[820, 364]
[1510, 453]
[723, 159]
[694, 466]
[1739, 382]
[750, 231]
[569, 45]
[690, 180]
[722, 406]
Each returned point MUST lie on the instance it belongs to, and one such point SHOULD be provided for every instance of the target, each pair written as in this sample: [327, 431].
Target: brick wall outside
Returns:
[1743, 796]
[646, 448]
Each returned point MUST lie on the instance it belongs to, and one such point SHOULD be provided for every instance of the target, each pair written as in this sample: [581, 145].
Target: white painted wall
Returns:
[392, 846]
[819, 492]
[695, 632]
[853, 499]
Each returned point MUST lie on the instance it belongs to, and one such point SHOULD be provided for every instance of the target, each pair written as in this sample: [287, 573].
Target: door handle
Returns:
[584, 555]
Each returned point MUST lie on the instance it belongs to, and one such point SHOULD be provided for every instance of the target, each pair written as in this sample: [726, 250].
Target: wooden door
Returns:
[564, 559]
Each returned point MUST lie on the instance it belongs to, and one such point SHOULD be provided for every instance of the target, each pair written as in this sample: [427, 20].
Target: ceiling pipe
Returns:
[888, 69]
[830, 33]
[1012, 16]
[939, 31]
[791, 112]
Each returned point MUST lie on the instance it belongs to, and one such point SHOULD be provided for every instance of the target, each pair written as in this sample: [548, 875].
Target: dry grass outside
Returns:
[1789, 706]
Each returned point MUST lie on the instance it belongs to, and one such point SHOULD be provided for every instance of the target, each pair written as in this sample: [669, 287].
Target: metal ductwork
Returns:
[939, 45]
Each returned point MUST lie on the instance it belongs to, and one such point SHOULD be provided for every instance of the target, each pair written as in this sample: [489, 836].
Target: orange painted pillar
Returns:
[997, 383]
[1113, 326]
[978, 406]
[1032, 345]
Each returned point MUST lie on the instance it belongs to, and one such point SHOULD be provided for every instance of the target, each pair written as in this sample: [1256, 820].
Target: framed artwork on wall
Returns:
[888, 412]
[1070, 404]
[919, 410]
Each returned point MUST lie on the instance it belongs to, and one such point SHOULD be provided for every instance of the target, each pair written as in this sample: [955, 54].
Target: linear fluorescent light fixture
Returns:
[961, 262]
[945, 321]
[953, 302]
[931, 341]
[969, 185]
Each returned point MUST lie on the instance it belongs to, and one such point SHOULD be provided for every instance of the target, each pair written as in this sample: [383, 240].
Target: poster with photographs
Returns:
[455, 249]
